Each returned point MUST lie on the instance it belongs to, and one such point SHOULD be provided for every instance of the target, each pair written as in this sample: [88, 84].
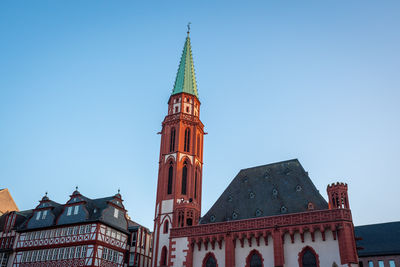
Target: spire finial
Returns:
[188, 27]
[76, 187]
[119, 190]
[46, 193]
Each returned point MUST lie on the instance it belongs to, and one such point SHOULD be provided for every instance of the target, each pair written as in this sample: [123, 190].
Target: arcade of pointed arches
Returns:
[307, 258]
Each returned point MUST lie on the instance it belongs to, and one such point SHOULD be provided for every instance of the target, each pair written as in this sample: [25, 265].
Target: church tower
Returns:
[178, 201]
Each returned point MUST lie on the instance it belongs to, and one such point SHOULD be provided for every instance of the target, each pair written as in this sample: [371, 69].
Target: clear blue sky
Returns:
[84, 87]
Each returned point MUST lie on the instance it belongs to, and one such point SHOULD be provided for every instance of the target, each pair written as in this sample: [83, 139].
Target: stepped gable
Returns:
[273, 189]
[378, 239]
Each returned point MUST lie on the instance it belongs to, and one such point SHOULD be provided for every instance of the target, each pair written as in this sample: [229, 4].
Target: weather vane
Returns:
[188, 26]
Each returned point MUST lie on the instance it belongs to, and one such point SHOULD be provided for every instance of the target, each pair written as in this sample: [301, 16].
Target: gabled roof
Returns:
[378, 239]
[273, 189]
[6, 202]
[185, 81]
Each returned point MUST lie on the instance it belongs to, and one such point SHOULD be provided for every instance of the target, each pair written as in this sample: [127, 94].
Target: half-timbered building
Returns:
[270, 215]
[81, 232]
[8, 234]
[140, 239]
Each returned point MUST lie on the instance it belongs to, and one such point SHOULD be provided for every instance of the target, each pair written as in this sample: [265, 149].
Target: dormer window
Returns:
[69, 211]
[44, 214]
[116, 211]
[38, 215]
[76, 210]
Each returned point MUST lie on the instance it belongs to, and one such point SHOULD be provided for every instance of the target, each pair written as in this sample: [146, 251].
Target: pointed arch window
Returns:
[187, 140]
[308, 257]
[210, 260]
[170, 177]
[195, 184]
[184, 178]
[164, 255]
[172, 140]
[198, 145]
[254, 259]
[166, 227]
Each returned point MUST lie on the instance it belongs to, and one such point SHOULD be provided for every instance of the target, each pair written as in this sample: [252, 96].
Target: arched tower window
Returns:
[166, 227]
[254, 259]
[172, 141]
[184, 178]
[170, 176]
[308, 258]
[210, 260]
[187, 140]
[195, 184]
[164, 255]
[198, 145]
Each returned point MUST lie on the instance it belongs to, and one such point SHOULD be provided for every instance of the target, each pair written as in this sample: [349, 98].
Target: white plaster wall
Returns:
[198, 256]
[267, 252]
[163, 238]
[166, 206]
[180, 254]
[328, 250]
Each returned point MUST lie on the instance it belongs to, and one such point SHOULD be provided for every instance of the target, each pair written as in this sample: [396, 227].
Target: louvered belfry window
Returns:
[184, 178]
[170, 176]
[172, 141]
[186, 147]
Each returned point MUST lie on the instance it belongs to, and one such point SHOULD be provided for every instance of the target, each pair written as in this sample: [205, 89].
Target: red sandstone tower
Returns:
[178, 201]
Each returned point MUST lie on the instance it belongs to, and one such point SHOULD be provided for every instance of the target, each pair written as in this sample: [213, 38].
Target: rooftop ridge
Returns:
[270, 164]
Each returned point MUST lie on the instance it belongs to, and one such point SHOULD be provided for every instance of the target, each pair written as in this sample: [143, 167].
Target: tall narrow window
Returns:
[186, 147]
[184, 178]
[170, 175]
[195, 184]
[166, 227]
[198, 145]
[172, 141]
[164, 254]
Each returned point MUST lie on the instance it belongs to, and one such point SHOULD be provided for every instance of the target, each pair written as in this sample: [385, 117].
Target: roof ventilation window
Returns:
[267, 174]
[283, 209]
[274, 192]
[252, 195]
[298, 188]
[230, 198]
[310, 206]
[212, 218]
[259, 212]
[234, 215]
[244, 179]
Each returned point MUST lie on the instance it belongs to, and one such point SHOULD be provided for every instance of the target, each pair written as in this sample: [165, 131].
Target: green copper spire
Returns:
[185, 81]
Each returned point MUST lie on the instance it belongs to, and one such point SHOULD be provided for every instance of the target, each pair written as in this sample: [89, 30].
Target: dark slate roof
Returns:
[90, 210]
[273, 189]
[21, 218]
[378, 239]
